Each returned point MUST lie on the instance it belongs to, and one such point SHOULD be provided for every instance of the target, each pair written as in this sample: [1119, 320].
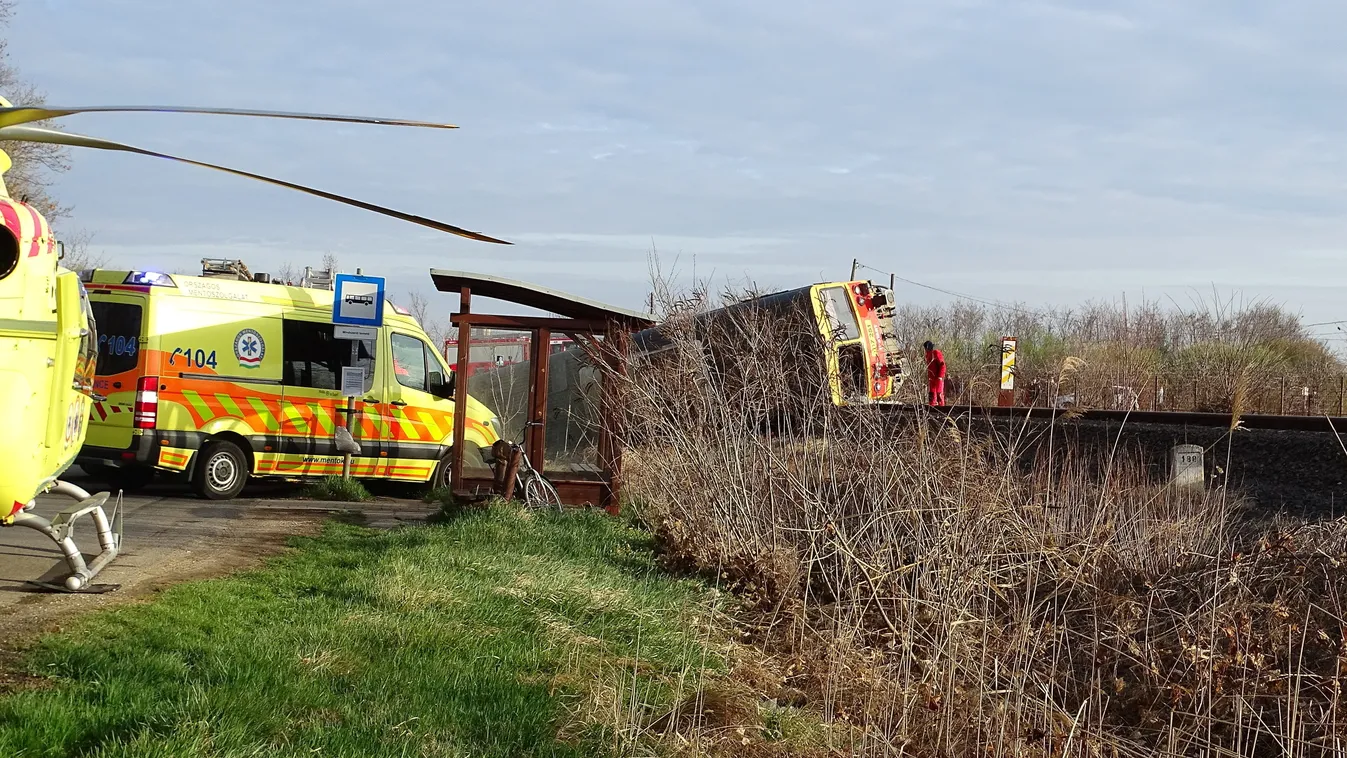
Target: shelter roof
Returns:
[535, 296]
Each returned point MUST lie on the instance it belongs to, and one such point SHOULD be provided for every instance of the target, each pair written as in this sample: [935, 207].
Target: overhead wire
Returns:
[983, 301]
[1040, 314]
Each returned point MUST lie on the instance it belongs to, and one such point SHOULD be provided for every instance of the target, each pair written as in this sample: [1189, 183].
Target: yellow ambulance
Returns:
[224, 379]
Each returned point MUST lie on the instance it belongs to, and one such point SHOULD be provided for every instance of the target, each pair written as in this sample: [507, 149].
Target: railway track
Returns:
[1325, 424]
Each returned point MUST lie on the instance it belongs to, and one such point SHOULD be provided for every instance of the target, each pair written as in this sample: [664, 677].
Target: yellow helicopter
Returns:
[48, 336]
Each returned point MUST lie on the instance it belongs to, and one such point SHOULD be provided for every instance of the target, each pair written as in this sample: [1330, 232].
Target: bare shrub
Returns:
[937, 597]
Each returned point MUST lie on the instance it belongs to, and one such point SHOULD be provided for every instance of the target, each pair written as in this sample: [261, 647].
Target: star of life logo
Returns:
[249, 348]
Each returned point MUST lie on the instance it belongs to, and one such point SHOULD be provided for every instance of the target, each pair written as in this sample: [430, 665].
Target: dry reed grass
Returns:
[933, 597]
[1200, 355]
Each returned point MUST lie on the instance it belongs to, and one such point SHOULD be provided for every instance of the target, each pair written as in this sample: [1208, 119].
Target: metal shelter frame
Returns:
[581, 319]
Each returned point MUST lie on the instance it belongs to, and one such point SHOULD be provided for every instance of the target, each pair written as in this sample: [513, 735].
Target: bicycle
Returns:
[535, 489]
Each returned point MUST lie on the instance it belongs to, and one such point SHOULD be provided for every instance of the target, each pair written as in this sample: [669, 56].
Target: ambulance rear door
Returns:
[120, 318]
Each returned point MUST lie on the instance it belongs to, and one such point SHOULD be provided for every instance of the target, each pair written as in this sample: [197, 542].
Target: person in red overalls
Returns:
[935, 374]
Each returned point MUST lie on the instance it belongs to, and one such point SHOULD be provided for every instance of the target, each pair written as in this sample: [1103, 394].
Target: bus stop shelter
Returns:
[584, 321]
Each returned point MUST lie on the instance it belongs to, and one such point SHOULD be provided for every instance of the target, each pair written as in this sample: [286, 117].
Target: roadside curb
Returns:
[341, 505]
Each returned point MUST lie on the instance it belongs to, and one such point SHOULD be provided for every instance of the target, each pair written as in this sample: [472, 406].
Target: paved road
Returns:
[170, 536]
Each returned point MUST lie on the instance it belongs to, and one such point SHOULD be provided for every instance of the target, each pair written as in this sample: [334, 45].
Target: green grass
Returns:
[495, 634]
[339, 489]
[441, 495]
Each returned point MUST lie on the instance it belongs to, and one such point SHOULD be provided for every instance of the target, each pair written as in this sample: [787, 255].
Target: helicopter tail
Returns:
[61, 530]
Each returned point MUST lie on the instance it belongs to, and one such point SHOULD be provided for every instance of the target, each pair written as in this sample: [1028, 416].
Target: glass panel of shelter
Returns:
[501, 385]
[574, 407]
[499, 371]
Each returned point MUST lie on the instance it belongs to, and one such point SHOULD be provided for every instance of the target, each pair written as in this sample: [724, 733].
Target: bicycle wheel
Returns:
[539, 493]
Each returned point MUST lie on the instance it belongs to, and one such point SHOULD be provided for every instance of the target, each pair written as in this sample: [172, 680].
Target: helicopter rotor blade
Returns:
[23, 114]
[38, 134]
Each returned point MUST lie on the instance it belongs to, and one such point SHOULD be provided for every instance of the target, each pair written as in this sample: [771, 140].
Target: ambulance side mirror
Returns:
[438, 387]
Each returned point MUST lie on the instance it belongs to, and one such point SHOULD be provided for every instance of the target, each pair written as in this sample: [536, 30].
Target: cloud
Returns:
[1124, 143]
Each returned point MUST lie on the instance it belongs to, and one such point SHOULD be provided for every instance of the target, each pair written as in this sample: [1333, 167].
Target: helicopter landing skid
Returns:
[61, 530]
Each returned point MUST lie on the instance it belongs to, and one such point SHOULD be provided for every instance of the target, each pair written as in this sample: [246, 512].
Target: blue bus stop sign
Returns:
[358, 300]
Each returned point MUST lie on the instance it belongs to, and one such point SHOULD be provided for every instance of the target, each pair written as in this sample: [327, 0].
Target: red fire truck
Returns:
[492, 348]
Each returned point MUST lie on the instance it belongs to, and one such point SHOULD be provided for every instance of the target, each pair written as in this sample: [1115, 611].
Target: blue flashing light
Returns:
[153, 278]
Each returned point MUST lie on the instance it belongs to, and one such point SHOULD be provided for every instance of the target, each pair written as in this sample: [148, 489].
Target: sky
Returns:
[1047, 153]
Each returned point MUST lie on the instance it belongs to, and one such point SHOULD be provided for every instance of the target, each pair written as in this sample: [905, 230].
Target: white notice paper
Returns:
[352, 381]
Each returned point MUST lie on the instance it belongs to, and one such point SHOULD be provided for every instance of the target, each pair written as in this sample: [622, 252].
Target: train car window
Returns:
[837, 304]
[512, 351]
[484, 352]
[314, 357]
[118, 336]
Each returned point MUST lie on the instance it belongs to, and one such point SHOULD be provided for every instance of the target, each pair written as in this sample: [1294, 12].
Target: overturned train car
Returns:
[769, 356]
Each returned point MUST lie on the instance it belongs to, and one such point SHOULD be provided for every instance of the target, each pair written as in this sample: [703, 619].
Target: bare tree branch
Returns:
[420, 309]
[78, 256]
[287, 273]
[35, 163]
[417, 304]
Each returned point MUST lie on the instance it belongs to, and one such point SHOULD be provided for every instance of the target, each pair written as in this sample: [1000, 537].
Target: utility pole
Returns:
[854, 262]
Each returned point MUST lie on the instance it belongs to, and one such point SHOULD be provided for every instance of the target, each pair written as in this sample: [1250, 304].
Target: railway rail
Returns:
[1300, 423]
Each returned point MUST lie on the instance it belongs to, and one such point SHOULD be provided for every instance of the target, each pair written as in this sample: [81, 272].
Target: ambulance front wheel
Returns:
[440, 478]
[221, 471]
